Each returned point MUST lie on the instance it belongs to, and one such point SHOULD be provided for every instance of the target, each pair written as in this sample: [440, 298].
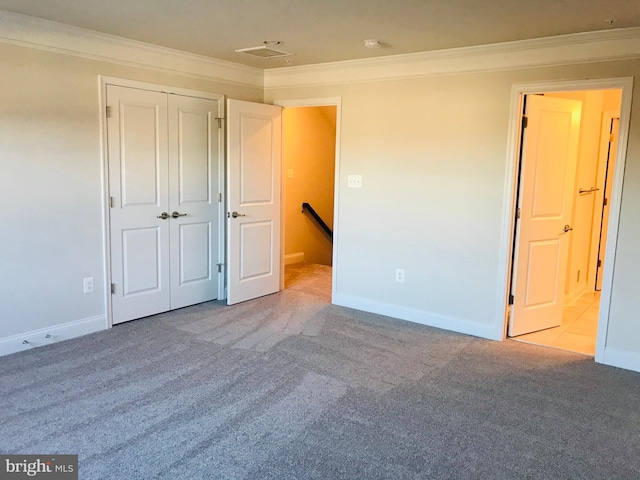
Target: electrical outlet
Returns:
[87, 284]
[400, 275]
[354, 181]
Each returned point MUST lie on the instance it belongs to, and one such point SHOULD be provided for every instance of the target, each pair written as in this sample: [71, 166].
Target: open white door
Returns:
[606, 196]
[549, 154]
[253, 200]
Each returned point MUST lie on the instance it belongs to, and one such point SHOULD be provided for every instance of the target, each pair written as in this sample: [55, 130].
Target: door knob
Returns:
[235, 214]
[178, 214]
[567, 228]
[163, 215]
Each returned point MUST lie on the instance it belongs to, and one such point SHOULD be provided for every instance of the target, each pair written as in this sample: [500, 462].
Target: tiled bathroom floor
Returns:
[578, 330]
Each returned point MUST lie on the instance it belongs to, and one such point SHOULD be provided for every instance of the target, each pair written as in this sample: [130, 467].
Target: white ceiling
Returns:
[330, 30]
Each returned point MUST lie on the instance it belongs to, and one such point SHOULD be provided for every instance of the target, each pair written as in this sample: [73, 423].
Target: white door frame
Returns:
[518, 91]
[317, 102]
[103, 81]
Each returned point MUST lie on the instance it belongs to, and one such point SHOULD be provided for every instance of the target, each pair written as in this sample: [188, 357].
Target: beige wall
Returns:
[433, 153]
[309, 151]
[51, 183]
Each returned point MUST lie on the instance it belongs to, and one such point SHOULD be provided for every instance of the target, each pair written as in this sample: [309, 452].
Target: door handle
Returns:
[163, 215]
[178, 214]
[235, 214]
[567, 228]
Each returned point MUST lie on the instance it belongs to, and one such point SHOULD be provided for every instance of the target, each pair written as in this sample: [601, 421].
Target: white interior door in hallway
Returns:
[253, 200]
[164, 154]
[548, 166]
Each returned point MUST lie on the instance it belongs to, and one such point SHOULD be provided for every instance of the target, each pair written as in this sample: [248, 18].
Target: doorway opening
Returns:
[309, 177]
[566, 170]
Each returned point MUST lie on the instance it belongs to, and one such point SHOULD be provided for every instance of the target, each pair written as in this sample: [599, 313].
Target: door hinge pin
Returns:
[599, 263]
[518, 212]
[611, 137]
[219, 267]
[108, 112]
[605, 202]
[113, 288]
[110, 202]
[525, 121]
[510, 299]
[219, 119]
[220, 198]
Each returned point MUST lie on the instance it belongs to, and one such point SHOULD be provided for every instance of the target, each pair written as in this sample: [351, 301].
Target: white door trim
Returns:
[103, 81]
[318, 102]
[518, 91]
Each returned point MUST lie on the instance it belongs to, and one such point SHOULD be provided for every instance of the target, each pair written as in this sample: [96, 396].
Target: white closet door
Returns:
[194, 153]
[138, 179]
[164, 157]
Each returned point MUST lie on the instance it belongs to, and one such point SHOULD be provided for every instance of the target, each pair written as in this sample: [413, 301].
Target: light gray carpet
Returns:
[290, 387]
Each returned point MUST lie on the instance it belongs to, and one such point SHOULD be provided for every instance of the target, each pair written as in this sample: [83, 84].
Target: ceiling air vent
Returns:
[264, 51]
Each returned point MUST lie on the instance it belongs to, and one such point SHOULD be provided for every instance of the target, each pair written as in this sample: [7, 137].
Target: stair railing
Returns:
[308, 208]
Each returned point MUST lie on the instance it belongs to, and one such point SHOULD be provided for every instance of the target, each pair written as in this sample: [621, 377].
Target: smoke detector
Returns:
[266, 50]
[372, 43]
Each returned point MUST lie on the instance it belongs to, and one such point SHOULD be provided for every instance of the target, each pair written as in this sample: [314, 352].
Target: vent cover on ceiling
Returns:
[264, 51]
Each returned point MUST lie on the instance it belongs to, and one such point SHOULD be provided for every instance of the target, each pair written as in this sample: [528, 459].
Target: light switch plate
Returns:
[354, 181]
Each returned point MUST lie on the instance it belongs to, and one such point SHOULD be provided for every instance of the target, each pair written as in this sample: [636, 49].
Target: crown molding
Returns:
[604, 45]
[57, 37]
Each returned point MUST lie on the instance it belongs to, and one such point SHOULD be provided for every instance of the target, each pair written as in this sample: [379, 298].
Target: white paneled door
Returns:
[194, 188]
[253, 200]
[164, 153]
[550, 148]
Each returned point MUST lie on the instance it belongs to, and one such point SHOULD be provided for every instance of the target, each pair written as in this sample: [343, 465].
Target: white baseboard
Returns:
[416, 316]
[46, 336]
[294, 258]
[575, 294]
[621, 359]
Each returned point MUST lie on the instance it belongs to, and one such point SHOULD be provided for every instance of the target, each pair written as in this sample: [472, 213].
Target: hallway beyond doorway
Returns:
[311, 278]
[578, 330]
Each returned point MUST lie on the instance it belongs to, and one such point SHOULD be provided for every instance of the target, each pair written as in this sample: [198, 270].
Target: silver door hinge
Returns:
[110, 202]
[525, 121]
[219, 267]
[220, 198]
[113, 288]
[219, 119]
[108, 112]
